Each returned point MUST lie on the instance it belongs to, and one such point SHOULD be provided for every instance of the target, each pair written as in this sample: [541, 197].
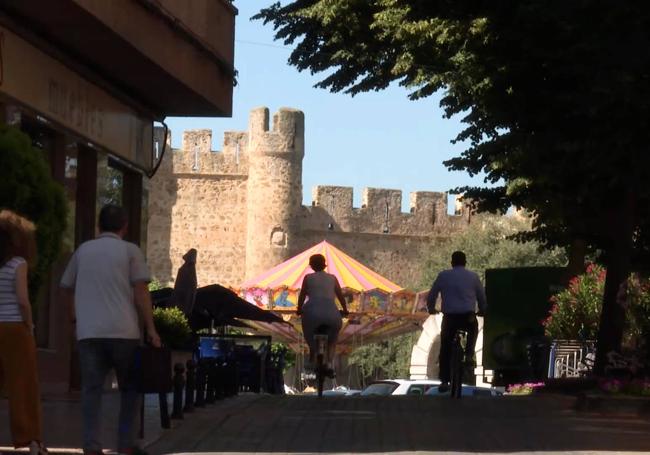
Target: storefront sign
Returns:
[61, 95]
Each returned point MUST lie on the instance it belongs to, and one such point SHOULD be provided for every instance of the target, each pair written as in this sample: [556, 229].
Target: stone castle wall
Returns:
[241, 209]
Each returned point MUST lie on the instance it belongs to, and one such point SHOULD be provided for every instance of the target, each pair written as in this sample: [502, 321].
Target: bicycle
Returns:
[322, 371]
[321, 341]
[456, 362]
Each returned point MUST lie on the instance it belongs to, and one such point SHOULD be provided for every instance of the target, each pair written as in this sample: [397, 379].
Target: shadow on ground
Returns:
[270, 424]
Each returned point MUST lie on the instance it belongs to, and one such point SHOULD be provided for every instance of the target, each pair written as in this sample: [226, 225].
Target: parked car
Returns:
[341, 391]
[468, 391]
[399, 387]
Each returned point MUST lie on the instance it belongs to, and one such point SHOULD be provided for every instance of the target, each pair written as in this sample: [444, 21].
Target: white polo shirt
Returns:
[102, 273]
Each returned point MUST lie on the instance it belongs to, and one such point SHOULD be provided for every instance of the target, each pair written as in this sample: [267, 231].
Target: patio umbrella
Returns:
[223, 304]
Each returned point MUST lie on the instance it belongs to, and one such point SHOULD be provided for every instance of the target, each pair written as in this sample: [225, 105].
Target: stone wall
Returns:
[241, 209]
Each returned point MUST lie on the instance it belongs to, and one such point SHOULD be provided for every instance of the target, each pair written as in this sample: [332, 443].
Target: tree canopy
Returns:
[488, 243]
[28, 188]
[554, 97]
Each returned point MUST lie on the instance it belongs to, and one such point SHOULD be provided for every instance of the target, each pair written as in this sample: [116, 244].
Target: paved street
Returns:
[270, 424]
[62, 422]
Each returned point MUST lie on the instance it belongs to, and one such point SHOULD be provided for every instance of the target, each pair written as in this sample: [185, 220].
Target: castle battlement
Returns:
[241, 208]
[381, 212]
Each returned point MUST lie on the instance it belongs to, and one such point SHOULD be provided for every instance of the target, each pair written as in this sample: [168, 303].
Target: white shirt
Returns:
[102, 273]
[461, 290]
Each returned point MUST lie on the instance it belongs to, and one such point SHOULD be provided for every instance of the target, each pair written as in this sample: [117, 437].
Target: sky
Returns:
[378, 139]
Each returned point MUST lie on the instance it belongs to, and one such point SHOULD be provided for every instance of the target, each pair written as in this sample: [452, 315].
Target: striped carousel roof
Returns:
[350, 272]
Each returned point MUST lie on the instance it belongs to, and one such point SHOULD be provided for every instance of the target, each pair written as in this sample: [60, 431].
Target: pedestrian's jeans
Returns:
[97, 356]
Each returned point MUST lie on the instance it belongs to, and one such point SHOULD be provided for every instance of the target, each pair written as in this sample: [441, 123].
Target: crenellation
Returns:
[334, 199]
[382, 200]
[241, 208]
[197, 141]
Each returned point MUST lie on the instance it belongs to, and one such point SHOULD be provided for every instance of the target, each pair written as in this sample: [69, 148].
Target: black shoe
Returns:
[443, 387]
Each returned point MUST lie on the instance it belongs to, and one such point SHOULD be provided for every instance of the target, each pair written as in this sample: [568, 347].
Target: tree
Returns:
[28, 188]
[385, 359]
[488, 243]
[554, 96]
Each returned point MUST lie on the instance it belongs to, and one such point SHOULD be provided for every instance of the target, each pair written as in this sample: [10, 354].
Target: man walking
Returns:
[461, 290]
[106, 283]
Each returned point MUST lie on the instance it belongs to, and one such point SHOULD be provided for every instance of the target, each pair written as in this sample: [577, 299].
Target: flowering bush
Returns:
[523, 389]
[639, 387]
[575, 311]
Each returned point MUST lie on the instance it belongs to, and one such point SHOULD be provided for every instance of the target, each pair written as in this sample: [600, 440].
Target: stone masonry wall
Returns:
[241, 209]
[198, 200]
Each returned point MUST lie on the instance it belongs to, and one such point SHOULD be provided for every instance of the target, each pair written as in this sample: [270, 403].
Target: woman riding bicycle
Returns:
[320, 289]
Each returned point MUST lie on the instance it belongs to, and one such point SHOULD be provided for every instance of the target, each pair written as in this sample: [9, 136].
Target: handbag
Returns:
[154, 369]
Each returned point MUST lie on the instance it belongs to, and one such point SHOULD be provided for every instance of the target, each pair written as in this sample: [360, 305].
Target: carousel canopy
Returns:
[350, 272]
[379, 308]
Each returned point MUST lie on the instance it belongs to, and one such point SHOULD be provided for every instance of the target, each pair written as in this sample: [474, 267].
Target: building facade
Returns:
[87, 80]
[241, 208]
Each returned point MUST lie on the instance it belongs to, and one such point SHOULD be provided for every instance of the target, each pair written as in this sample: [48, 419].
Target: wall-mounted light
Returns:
[330, 227]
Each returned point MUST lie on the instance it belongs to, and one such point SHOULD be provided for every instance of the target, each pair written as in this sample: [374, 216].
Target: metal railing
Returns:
[571, 358]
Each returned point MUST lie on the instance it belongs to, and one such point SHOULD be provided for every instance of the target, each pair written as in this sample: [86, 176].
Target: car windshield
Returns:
[380, 388]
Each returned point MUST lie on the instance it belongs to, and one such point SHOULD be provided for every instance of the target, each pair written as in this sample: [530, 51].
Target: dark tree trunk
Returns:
[618, 256]
[576, 265]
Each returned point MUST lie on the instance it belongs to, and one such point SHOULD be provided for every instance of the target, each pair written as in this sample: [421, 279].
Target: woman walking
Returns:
[18, 373]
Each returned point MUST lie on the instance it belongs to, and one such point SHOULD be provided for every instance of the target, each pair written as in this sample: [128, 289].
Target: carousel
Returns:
[379, 309]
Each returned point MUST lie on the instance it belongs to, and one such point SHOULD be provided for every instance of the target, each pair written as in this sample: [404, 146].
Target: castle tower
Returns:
[274, 194]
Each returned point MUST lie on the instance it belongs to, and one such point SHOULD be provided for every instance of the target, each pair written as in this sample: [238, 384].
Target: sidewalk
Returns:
[266, 424]
[62, 422]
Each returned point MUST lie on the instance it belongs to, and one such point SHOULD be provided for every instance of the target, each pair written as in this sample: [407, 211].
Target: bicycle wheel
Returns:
[320, 373]
[456, 369]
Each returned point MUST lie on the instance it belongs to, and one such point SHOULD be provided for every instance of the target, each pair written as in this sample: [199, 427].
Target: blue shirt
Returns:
[461, 290]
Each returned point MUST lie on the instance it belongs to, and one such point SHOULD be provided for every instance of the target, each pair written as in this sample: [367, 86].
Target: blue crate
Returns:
[214, 348]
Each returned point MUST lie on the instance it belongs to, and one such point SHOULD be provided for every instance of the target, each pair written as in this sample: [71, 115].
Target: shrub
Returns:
[524, 389]
[575, 311]
[27, 188]
[155, 285]
[638, 387]
[279, 350]
[172, 326]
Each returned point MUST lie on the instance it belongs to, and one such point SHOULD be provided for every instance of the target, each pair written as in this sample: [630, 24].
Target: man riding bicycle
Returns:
[461, 290]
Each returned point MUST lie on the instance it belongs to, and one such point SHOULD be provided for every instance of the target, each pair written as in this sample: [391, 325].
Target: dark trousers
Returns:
[97, 356]
[451, 323]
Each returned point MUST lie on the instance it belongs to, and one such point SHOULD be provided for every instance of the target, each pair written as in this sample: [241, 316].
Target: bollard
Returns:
[220, 391]
[164, 411]
[212, 370]
[190, 385]
[200, 384]
[179, 385]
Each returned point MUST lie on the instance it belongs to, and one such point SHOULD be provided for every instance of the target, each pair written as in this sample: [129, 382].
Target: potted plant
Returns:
[175, 332]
